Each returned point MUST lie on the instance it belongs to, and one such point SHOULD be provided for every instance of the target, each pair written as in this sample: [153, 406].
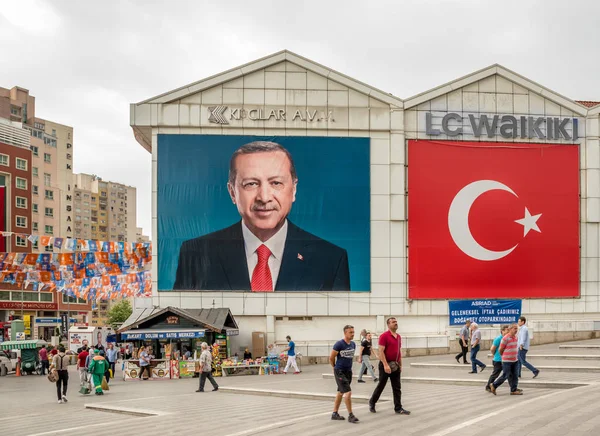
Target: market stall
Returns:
[175, 337]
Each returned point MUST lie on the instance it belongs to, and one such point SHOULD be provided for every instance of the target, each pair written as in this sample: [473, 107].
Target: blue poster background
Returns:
[484, 311]
[332, 200]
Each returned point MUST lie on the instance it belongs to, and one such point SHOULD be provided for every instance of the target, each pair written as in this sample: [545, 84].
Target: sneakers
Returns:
[60, 401]
[64, 399]
[535, 374]
[337, 417]
[352, 419]
[361, 381]
[200, 390]
[297, 372]
[492, 388]
[402, 412]
[472, 372]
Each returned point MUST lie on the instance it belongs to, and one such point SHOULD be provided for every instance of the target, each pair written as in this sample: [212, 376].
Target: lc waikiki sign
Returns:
[506, 126]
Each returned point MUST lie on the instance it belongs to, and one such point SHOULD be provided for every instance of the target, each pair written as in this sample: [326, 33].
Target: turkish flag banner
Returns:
[492, 220]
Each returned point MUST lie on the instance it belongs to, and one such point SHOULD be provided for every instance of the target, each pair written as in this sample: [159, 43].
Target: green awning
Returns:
[22, 345]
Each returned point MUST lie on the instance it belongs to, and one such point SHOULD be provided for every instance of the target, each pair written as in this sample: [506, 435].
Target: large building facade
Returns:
[493, 110]
[36, 169]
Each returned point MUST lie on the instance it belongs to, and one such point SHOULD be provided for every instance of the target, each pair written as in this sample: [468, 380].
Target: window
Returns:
[49, 212]
[21, 221]
[77, 218]
[49, 194]
[46, 296]
[39, 125]
[86, 218]
[4, 295]
[34, 208]
[73, 300]
[34, 226]
[4, 160]
[47, 179]
[35, 150]
[36, 245]
[34, 172]
[21, 164]
[34, 190]
[49, 229]
[21, 203]
[29, 296]
[47, 158]
[21, 183]
[21, 242]
[53, 132]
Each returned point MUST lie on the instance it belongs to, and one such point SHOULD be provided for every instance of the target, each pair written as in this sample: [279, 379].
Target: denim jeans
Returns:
[474, 362]
[523, 361]
[509, 371]
[366, 363]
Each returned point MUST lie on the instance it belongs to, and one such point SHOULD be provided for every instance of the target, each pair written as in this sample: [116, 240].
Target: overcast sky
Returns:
[85, 64]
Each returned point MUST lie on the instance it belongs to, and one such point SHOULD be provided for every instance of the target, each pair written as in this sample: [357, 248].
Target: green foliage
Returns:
[119, 313]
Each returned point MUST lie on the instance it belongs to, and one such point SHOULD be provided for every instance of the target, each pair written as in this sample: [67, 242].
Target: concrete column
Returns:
[270, 329]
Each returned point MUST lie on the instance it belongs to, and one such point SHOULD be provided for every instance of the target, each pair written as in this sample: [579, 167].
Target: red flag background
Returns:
[545, 179]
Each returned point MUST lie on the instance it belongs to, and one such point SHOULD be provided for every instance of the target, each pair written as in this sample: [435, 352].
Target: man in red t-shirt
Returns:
[44, 360]
[390, 367]
[81, 358]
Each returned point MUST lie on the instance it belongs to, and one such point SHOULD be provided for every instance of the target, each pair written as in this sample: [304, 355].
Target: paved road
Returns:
[28, 407]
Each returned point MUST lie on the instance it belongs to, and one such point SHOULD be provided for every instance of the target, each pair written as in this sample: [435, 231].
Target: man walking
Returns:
[523, 344]
[340, 359]
[497, 357]
[508, 351]
[111, 357]
[291, 356]
[81, 366]
[206, 369]
[60, 364]
[463, 342]
[364, 358]
[475, 340]
[390, 367]
[44, 360]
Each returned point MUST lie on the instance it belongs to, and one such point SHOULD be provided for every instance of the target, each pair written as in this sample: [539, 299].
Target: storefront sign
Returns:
[232, 332]
[162, 335]
[224, 114]
[506, 126]
[484, 311]
[52, 321]
[27, 305]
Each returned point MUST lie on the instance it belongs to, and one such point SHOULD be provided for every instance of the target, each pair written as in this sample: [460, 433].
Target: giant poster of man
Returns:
[263, 214]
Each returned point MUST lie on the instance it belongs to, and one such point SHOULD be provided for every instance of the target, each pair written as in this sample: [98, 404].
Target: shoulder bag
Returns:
[395, 366]
[53, 376]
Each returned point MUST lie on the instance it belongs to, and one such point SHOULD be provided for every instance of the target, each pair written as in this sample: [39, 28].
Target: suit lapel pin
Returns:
[300, 257]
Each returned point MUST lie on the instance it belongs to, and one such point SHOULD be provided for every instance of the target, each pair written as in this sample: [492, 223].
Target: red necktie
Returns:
[261, 276]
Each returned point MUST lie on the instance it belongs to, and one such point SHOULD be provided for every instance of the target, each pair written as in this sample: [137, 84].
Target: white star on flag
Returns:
[529, 222]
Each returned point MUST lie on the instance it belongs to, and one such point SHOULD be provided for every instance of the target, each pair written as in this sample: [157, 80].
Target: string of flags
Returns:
[74, 244]
[98, 270]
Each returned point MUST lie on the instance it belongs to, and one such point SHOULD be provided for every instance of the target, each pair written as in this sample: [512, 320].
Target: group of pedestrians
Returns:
[95, 365]
[390, 368]
[509, 351]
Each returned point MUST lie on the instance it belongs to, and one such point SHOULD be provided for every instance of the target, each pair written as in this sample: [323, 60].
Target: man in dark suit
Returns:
[263, 252]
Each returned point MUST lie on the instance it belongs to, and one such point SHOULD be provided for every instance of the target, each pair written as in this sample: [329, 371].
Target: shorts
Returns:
[343, 380]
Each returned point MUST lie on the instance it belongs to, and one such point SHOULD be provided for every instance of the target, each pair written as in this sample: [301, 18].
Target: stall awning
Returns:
[22, 345]
[162, 334]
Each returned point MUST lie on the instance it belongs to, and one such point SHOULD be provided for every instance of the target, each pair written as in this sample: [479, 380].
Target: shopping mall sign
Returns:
[224, 114]
[505, 126]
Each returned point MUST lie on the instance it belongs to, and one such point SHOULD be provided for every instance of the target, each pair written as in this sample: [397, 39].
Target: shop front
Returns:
[175, 337]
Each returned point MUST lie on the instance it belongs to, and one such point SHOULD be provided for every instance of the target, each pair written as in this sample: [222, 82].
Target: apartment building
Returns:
[104, 210]
[139, 235]
[36, 174]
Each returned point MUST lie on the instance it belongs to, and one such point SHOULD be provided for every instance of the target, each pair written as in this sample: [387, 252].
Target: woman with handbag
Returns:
[59, 372]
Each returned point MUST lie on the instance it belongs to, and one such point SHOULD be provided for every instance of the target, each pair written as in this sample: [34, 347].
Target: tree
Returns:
[119, 313]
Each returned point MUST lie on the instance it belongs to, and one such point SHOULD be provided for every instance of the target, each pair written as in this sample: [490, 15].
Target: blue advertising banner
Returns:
[163, 335]
[303, 201]
[484, 311]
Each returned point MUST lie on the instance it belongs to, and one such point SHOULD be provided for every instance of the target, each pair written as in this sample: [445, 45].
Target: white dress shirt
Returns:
[276, 244]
